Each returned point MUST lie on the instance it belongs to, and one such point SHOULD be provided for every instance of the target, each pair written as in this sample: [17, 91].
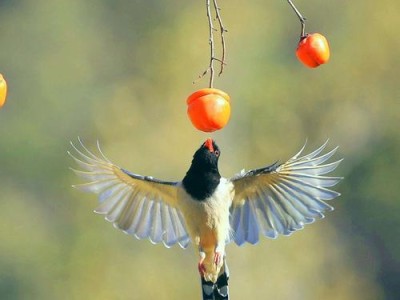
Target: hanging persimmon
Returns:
[3, 90]
[209, 109]
[313, 50]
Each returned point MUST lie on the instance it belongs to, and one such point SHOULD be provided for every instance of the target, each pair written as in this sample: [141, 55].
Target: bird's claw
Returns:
[218, 256]
[202, 268]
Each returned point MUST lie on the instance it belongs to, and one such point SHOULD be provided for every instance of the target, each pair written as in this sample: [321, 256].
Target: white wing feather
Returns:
[282, 199]
[141, 206]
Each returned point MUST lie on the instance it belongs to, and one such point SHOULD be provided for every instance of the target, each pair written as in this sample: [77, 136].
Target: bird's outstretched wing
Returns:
[141, 206]
[281, 198]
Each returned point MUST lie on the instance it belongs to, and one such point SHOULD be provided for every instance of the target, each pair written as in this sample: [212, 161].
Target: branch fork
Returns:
[212, 29]
[301, 19]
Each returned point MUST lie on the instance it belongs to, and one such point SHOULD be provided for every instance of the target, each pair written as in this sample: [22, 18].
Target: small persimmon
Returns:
[209, 109]
[313, 50]
[3, 90]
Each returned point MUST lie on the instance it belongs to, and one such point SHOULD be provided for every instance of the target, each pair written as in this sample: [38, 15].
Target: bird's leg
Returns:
[219, 255]
[201, 267]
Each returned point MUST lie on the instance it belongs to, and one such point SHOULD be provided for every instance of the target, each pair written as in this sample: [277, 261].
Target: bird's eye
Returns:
[216, 152]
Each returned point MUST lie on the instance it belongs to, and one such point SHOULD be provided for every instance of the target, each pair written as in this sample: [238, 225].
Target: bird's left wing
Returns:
[280, 199]
[141, 206]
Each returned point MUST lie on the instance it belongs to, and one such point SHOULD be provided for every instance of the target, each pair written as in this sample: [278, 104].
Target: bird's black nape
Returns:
[203, 176]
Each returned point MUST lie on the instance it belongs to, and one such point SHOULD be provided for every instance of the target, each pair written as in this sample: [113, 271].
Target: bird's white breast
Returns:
[207, 221]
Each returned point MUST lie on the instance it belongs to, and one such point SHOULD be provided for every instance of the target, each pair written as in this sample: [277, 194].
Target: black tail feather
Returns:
[218, 290]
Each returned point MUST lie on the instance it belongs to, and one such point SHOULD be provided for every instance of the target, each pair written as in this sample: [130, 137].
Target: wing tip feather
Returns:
[315, 210]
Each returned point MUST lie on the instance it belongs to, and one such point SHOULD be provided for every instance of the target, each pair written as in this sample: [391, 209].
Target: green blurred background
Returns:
[120, 71]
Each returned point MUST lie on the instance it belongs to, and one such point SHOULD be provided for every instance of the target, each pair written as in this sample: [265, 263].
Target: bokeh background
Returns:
[120, 71]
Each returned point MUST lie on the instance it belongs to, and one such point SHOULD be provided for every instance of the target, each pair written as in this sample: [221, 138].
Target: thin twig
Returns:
[211, 41]
[211, 28]
[301, 18]
[201, 76]
[222, 31]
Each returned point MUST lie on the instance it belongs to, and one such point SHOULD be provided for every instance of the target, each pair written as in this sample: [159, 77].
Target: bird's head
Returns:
[207, 155]
[203, 176]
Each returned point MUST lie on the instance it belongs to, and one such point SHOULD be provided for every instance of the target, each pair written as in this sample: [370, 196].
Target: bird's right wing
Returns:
[280, 199]
[141, 206]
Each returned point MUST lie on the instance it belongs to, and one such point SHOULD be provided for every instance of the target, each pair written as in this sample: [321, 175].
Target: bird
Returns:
[207, 209]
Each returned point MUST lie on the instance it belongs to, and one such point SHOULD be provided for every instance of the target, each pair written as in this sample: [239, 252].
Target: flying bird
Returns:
[208, 209]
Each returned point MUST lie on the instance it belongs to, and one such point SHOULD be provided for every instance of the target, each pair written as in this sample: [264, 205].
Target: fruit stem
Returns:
[301, 18]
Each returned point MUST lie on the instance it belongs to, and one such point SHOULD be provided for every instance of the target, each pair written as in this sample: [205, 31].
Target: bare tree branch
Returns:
[211, 42]
[222, 31]
[301, 18]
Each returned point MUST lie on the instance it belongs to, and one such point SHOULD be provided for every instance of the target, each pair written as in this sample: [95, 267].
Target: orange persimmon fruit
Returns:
[313, 50]
[209, 109]
[3, 90]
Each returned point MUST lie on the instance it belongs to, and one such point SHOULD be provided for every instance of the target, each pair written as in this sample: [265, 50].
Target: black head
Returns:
[207, 155]
[203, 177]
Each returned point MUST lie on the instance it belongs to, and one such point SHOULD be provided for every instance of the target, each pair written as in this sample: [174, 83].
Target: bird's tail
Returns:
[218, 290]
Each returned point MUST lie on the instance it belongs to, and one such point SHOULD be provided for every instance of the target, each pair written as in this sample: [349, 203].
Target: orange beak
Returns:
[209, 145]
